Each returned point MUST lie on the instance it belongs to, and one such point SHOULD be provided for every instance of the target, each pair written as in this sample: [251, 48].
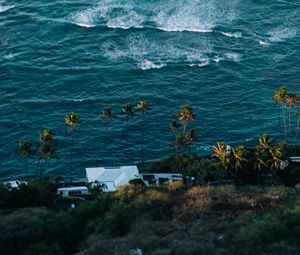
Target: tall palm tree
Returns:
[72, 120]
[107, 115]
[144, 108]
[280, 99]
[291, 101]
[186, 115]
[174, 127]
[46, 149]
[128, 111]
[222, 154]
[297, 126]
[24, 151]
[191, 137]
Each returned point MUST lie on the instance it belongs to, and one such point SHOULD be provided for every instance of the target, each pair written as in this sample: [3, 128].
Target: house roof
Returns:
[73, 188]
[295, 159]
[112, 177]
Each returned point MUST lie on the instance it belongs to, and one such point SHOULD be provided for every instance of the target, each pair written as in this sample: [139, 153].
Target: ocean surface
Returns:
[225, 58]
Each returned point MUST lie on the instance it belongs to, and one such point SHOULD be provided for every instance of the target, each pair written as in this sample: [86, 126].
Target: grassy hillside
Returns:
[170, 220]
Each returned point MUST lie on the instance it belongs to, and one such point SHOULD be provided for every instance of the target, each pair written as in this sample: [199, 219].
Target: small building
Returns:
[15, 184]
[160, 178]
[112, 177]
[73, 191]
[295, 159]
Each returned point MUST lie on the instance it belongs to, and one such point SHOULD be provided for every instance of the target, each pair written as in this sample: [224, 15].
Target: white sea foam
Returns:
[85, 18]
[234, 35]
[202, 64]
[171, 16]
[232, 56]
[262, 43]
[128, 20]
[137, 48]
[282, 33]
[147, 64]
[4, 8]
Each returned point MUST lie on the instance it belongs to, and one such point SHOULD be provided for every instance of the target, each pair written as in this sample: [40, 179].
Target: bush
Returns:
[290, 176]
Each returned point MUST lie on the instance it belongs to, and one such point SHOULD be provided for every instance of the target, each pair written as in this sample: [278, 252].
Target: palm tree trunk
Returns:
[44, 167]
[297, 132]
[284, 121]
[71, 163]
[37, 167]
[143, 137]
[26, 168]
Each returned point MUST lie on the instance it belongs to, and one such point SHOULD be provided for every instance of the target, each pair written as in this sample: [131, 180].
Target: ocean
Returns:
[224, 58]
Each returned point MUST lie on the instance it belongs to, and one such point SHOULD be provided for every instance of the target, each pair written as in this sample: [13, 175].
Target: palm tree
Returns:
[174, 127]
[261, 158]
[144, 108]
[239, 156]
[266, 142]
[291, 101]
[107, 115]
[191, 137]
[297, 126]
[186, 115]
[128, 111]
[222, 154]
[46, 149]
[72, 120]
[280, 99]
[24, 151]
[180, 142]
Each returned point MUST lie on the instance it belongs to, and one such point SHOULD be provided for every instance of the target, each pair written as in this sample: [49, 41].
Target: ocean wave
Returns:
[4, 8]
[234, 35]
[263, 43]
[230, 56]
[170, 16]
[147, 64]
[194, 30]
[282, 33]
[202, 64]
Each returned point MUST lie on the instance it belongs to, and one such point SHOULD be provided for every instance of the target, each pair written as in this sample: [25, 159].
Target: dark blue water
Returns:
[225, 58]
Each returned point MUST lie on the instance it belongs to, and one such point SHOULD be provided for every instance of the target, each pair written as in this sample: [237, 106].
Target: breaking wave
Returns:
[147, 64]
[234, 35]
[4, 8]
[282, 33]
[170, 16]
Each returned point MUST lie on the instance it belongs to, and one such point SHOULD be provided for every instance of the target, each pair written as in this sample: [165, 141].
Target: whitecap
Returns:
[217, 59]
[234, 35]
[85, 25]
[262, 43]
[128, 20]
[10, 56]
[147, 64]
[85, 18]
[5, 8]
[200, 64]
[232, 56]
[282, 33]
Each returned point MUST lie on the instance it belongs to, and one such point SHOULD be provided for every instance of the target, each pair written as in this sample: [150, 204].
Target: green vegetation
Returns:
[166, 220]
[72, 120]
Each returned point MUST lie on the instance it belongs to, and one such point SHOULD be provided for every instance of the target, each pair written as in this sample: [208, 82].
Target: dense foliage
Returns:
[170, 220]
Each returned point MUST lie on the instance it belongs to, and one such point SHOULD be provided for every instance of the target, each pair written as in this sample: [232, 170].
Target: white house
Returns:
[112, 177]
[160, 178]
[295, 159]
[73, 191]
[15, 184]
